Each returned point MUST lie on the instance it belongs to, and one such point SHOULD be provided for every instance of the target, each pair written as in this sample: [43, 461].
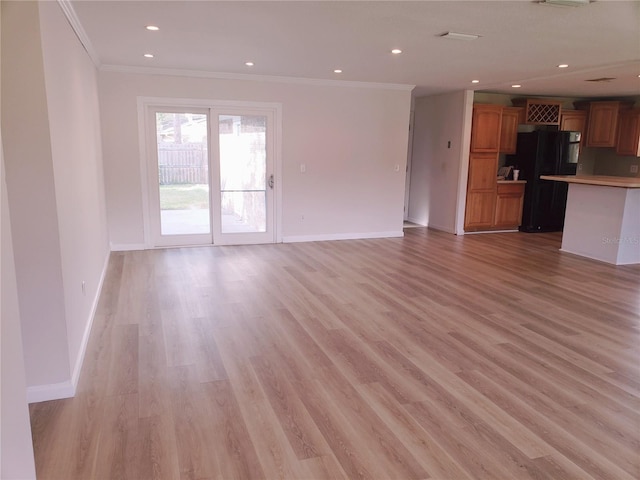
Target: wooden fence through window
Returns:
[182, 163]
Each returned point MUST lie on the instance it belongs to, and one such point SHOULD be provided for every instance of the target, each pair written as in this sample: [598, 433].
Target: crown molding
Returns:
[74, 21]
[252, 78]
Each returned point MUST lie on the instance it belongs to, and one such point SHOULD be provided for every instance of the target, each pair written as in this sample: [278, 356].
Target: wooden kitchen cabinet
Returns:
[574, 121]
[602, 125]
[628, 141]
[509, 201]
[485, 128]
[511, 118]
[479, 211]
[483, 170]
[481, 191]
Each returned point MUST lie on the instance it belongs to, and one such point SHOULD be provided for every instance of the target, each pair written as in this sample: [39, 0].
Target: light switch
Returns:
[303, 168]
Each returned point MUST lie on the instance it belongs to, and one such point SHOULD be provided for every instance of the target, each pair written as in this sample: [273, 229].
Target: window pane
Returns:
[242, 152]
[183, 170]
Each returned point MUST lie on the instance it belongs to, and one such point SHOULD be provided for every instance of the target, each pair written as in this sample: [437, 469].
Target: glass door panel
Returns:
[244, 186]
[183, 173]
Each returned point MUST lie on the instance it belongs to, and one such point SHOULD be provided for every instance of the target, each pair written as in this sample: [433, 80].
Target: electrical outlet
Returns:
[634, 169]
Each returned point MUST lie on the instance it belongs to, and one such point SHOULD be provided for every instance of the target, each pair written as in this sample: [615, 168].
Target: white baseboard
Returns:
[57, 391]
[340, 236]
[440, 228]
[482, 232]
[415, 220]
[53, 391]
[127, 247]
[87, 331]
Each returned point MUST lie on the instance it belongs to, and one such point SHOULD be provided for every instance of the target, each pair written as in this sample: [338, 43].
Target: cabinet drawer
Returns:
[510, 189]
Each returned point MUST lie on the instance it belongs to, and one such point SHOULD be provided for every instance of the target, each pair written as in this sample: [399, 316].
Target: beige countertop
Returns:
[512, 181]
[605, 181]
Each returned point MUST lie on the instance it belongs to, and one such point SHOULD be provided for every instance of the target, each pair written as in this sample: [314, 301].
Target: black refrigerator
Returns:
[545, 153]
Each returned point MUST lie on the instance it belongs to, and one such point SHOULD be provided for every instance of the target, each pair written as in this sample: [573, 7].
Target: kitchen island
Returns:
[602, 218]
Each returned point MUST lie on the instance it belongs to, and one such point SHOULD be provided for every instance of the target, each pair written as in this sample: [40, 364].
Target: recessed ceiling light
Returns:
[460, 36]
[153, 28]
[249, 64]
[475, 81]
[516, 86]
[337, 70]
[148, 55]
[396, 51]
[563, 65]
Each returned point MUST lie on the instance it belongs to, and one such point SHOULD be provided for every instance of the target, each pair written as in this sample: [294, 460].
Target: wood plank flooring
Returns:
[430, 356]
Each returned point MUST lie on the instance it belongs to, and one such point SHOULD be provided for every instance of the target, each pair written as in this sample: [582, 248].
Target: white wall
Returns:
[52, 151]
[440, 159]
[16, 449]
[74, 122]
[350, 138]
[32, 201]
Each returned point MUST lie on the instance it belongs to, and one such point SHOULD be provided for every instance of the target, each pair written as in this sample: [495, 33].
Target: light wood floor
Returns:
[432, 356]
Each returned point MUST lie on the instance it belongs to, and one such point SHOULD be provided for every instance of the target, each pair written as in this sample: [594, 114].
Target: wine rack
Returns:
[540, 111]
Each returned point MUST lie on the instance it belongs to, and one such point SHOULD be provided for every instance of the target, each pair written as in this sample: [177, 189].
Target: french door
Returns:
[211, 175]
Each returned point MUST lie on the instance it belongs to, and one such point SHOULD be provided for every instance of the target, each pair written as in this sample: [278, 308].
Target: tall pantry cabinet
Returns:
[483, 166]
[492, 204]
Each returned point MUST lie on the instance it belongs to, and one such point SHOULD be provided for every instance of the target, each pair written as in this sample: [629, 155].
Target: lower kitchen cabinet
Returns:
[509, 200]
[481, 191]
[480, 210]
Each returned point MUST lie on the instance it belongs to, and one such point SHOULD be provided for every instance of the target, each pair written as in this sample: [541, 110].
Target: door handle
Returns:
[271, 182]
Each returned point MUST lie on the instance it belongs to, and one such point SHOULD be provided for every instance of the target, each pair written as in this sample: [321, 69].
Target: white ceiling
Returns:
[521, 41]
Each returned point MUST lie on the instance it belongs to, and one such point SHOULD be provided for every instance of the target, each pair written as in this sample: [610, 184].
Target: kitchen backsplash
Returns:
[604, 161]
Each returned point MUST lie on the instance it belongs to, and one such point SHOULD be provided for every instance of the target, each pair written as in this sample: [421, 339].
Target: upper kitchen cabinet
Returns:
[511, 118]
[573, 121]
[628, 141]
[485, 128]
[602, 125]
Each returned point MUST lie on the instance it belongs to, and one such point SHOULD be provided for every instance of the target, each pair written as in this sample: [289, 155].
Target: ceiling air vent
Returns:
[601, 79]
[565, 3]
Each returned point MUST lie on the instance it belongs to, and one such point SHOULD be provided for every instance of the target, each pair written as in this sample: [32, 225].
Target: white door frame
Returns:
[144, 127]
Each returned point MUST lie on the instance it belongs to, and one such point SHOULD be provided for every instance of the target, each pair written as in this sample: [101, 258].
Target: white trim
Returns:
[482, 232]
[128, 247]
[87, 331]
[463, 163]
[204, 103]
[341, 236]
[417, 222]
[57, 391]
[53, 391]
[144, 181]
[252, 78]
[441, 229]
[277, 135]
[74, 21]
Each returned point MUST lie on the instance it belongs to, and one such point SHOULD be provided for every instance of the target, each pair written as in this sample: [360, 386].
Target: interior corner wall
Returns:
[16, 451]
[52, 148]
[74, 122]
[32, 200]
[352, 140]
[16, 446]
[439, 147]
